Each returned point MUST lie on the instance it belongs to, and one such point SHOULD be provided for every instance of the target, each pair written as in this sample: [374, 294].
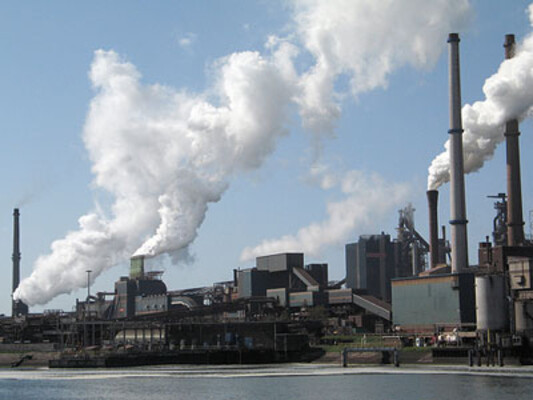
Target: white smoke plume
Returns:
[508, 95]
[367, 199]
[367, 40]
[165, 154]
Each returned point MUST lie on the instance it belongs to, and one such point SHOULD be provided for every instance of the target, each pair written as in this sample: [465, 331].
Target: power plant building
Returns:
[285, 278]
[374, 260]
[370, 265]
[439, 297]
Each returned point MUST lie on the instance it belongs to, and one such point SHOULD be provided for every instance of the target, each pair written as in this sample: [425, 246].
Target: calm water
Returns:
[206, 384]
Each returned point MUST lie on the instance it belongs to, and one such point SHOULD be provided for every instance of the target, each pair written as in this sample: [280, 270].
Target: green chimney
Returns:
[137, 267]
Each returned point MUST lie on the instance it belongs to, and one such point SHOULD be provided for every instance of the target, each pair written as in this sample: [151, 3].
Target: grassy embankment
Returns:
[333, 346]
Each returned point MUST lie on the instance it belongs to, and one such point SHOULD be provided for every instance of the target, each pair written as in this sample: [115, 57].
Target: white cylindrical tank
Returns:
[491, 303]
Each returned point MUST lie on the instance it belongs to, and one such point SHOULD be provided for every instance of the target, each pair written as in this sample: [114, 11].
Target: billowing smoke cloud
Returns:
[367, 199]
[508, 95]
[166, 154]
[367, 40]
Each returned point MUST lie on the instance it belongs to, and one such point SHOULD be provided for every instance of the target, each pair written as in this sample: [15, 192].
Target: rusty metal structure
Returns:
[499, 224]
[433, 196]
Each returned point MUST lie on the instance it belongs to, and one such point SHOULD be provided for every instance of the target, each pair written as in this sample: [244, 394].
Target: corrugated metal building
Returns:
[305, 299]
[252, 282]
[152, 304]
[446, 299]
[280, 262]
[284, 277]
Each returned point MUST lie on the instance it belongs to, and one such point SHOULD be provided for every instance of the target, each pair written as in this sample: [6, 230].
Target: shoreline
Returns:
[330, 362]
[264, 371]
[411, 362]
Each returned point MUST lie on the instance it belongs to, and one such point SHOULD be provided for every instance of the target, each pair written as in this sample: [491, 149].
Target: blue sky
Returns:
[393, 131]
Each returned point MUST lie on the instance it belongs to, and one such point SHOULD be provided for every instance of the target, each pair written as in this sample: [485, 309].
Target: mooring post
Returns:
[344, 357]
[396, 358]
[500, 357]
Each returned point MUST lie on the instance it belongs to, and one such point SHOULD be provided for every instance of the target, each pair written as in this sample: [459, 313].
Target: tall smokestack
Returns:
[433, 197]
[16, 259]
[457, 182]
[515, 220]
[17, 307]
[16, 249]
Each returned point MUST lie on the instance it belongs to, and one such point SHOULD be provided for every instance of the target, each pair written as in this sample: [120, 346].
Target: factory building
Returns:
[296, 287]
[504, 292]
[513, 261]
[285, 278]
[434, 302]
[371, 264]
[495, 296]
[374, 260]
[278, 284]
[443, 296]
[140, 293]
[520, 277]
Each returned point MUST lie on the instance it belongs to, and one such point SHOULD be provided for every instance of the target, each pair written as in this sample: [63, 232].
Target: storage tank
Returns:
[491, 303]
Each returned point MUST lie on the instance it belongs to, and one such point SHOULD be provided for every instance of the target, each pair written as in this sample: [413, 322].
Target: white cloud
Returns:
[367, 40]
[187, 40]
[367, 200]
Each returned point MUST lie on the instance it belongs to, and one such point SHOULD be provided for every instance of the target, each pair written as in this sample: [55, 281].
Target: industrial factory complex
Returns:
[405, 286]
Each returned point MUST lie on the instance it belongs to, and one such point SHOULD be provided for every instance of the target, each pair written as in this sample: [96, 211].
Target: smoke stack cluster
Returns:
[433, 197]
[515, 220]
[457, 184]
